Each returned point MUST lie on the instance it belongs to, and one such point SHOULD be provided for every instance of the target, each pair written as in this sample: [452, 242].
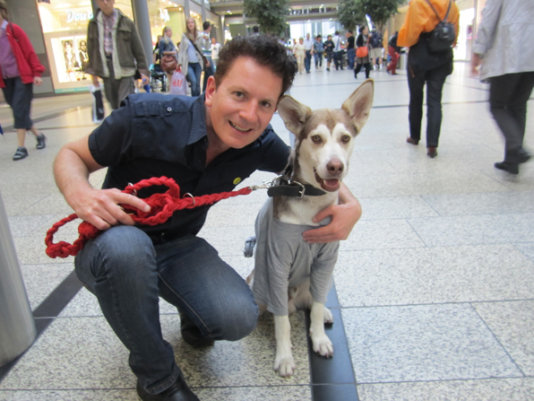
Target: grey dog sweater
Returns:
[284, 260]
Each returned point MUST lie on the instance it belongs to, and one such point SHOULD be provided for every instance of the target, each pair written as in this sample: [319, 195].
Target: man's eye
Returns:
[266, 104]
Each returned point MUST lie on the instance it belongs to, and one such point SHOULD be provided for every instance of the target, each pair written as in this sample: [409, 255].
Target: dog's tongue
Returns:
[331, 185]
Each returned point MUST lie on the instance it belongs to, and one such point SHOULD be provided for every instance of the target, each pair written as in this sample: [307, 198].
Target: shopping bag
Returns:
[178, 83]
[98, 104]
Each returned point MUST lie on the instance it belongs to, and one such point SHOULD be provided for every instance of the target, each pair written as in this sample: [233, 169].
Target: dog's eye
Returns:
[316, 139]
[346, 138]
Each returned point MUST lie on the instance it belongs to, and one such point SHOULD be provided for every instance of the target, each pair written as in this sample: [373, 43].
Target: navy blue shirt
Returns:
[154, 135]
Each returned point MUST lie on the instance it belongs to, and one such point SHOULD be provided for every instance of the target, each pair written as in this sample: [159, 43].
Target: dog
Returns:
[290, 274]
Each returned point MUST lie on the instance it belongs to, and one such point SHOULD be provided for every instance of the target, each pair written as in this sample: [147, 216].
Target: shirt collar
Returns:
[4, 26]
[199, 130]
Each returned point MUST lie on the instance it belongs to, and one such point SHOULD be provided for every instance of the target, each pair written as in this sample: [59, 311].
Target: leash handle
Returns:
[162, 205]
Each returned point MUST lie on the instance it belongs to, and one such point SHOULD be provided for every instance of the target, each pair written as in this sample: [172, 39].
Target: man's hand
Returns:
[37, 81]
[476, 60]
[102, 207]
[344, 217]
[99, 207]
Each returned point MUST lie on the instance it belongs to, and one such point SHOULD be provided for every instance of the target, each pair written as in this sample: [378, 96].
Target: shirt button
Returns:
[169, 109]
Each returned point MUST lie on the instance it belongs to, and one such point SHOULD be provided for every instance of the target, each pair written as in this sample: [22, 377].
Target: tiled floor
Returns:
[434, 289]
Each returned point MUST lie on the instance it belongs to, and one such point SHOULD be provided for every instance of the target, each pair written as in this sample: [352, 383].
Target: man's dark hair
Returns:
[266, 50]
[206, 25]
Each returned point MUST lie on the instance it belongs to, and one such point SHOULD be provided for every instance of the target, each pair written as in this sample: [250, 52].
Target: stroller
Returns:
[158, 79]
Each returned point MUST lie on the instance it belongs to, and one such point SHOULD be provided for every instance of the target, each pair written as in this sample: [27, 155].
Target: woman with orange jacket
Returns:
[425, 67]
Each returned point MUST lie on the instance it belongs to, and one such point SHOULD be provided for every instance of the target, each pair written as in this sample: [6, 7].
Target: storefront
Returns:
[64, 26]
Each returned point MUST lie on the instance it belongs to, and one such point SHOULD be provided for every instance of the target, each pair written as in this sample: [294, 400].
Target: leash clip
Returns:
[265, 184]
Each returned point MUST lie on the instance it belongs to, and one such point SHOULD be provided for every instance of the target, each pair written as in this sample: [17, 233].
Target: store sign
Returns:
[73, 16]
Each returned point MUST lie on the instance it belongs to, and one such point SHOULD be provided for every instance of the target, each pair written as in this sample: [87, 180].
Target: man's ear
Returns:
[293, 113]
[358, 105]
[211, 88]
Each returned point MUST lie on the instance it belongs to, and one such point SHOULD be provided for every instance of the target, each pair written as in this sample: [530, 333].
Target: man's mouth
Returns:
[240, 129]
[329, 185]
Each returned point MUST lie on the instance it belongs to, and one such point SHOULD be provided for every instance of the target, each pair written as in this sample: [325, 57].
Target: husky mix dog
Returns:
[290, 274]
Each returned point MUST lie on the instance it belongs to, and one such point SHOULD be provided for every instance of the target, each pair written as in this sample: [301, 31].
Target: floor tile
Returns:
[468, 390]
[423, 343]
[436, 275]
[512, 324]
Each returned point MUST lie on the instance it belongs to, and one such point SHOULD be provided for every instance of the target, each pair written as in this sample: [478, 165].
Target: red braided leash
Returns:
[162, 205]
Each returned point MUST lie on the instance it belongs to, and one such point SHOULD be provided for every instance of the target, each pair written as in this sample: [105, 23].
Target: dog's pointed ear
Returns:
[358, 105]
[293, 113]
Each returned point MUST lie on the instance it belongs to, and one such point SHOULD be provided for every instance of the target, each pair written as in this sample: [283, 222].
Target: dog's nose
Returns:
[334, 167]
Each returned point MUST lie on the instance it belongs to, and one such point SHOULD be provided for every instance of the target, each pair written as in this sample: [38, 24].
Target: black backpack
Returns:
[442, 37]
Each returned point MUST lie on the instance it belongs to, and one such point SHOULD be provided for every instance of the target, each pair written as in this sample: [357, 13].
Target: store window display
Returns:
[64, 30]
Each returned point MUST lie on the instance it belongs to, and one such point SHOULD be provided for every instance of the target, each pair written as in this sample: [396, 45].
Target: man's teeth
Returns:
[239, 128]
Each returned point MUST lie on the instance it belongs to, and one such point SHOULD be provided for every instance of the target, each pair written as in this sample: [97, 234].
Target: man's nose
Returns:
[250, 111]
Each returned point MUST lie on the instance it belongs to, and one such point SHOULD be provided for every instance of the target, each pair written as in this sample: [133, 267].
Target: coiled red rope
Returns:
[162, 205]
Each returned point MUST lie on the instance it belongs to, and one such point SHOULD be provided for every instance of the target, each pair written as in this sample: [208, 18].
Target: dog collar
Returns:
[285, 187]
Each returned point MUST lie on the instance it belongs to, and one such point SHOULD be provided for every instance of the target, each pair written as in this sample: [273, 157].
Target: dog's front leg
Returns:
[283, 362]
[320, 341]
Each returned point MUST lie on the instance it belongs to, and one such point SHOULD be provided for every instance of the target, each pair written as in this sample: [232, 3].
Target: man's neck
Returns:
[215, 147]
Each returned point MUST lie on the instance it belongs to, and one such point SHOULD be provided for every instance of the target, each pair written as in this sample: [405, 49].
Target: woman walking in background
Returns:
[362, 58]
[19, 70]
[300, 53]
[189, 57]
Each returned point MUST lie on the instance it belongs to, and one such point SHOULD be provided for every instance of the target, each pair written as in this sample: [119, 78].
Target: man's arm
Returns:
[344, 216]
[100, 207]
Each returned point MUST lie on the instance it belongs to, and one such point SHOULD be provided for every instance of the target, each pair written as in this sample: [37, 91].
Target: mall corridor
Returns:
[433, 294]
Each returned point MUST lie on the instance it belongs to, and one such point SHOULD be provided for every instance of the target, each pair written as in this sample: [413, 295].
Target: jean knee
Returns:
[241, 321]
[118, 250]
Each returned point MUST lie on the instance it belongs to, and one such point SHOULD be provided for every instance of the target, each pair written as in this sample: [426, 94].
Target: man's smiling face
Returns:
[239, 109]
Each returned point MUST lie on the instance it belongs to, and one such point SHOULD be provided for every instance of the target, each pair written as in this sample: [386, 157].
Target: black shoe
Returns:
[432, 152]
[191, 334]
[41, 141]
[509, 167]
[21, 153]
[523, 156]
[179, 391]
[412, 141]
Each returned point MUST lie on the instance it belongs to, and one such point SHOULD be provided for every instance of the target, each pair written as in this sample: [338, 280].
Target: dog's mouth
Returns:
[329, 184]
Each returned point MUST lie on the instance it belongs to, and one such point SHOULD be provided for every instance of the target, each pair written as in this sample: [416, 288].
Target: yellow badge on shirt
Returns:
[237, 180]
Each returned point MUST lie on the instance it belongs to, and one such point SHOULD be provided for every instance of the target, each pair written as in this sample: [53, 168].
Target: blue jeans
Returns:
[193, 76]
[208, 72]
[307, 60]
[127, 273]
[351, 54]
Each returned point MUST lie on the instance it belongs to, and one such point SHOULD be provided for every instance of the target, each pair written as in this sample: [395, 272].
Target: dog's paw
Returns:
[328, 317]
[322, 345]
[284, 365]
